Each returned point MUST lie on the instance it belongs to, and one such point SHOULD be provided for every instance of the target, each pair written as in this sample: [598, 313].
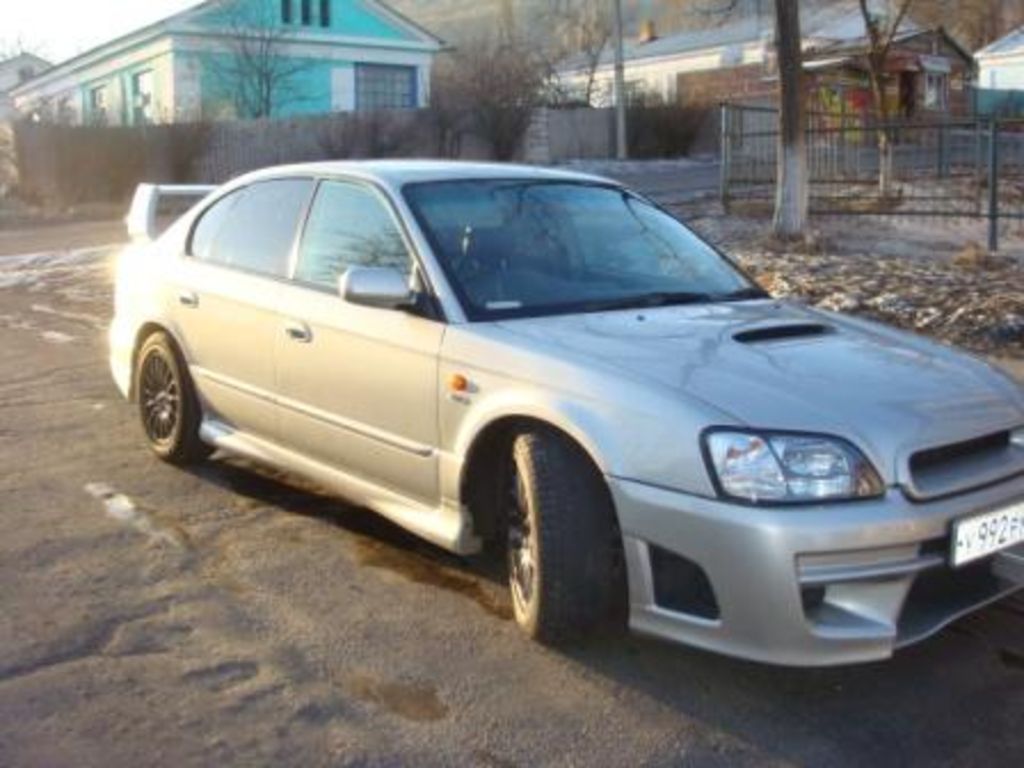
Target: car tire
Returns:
[168, 406]
[562, 544]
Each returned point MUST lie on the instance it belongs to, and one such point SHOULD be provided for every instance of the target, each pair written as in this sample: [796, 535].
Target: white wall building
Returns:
[1001, 64]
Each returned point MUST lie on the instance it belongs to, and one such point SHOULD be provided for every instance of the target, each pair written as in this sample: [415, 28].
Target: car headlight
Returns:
[766, 467]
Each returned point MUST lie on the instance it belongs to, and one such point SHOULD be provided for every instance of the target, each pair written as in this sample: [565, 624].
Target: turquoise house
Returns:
[235, 59]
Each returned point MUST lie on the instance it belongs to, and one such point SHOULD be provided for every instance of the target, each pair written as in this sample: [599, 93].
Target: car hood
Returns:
[777, 365]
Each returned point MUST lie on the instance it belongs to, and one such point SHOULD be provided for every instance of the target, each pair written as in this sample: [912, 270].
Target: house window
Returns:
[65, 112]
[98, 105]
[936, 91]
[385, 87]
[142, 98]
[25, 74]
[286, 11]
[325, 13]
[307, 12]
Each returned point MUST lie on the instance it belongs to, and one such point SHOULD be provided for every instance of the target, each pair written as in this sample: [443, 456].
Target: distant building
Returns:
[928, 71]
[1001, 64]
[205, 62]
[1001, 76]
[15, 71]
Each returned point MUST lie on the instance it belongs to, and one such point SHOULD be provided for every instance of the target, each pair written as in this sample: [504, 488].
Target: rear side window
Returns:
[254, 228]
[348, 226]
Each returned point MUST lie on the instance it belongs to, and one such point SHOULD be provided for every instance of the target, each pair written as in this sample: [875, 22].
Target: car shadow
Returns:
[379, 543]
[953, 699]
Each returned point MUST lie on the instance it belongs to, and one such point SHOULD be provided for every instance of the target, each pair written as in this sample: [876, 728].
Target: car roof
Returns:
[397, 173]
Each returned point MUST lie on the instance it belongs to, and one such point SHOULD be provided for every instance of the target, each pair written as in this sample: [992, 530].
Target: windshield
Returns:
[515, 248]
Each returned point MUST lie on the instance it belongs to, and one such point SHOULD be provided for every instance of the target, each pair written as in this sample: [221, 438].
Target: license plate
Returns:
[983, 535]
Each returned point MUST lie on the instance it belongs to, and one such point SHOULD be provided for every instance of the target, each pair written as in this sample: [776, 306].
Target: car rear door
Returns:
[225, 296]
[358, 385]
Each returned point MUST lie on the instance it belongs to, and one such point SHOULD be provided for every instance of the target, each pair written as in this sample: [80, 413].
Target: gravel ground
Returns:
[153, 616]
[924, 276]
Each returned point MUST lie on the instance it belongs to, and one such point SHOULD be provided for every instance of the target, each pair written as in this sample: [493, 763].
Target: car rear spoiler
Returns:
[142, 219]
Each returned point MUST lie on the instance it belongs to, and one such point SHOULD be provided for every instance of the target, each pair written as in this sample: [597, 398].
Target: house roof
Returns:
[21, 59]
[1008, 45]
[175, 22]
[831, 28]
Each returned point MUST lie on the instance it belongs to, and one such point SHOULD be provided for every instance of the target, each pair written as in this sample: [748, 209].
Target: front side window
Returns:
[254, 228]
[348, 226]
[518, 248]
[385, 87]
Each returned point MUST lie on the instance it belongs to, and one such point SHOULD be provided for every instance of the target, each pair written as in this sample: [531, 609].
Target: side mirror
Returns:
[378, 287]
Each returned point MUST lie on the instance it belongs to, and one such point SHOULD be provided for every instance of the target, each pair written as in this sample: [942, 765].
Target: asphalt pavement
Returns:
[231, 615]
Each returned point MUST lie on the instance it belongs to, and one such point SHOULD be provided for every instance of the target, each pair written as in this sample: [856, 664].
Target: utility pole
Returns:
[621, 145]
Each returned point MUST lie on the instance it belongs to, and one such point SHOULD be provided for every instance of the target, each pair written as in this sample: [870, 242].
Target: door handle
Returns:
[188, 299]
[298, 331]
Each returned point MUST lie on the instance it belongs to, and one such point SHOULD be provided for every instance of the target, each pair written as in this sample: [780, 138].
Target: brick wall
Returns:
[733, 84]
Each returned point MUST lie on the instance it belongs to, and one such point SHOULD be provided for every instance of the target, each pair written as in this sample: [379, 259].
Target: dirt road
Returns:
[151, 616]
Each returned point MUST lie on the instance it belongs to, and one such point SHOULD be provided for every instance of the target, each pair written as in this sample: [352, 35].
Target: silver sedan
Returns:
[548, 363]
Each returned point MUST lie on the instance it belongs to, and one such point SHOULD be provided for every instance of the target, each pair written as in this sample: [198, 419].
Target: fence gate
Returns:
[957, 168]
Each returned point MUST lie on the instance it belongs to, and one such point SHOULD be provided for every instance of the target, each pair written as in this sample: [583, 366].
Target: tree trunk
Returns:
[791, 192]
[885, 160]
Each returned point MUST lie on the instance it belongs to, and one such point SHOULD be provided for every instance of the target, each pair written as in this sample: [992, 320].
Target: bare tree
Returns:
[881, 32]
[256, 73]
[497, 85]
[11, 47]
[446, 112]
[583, 28]
[791, 191]
[974, 23]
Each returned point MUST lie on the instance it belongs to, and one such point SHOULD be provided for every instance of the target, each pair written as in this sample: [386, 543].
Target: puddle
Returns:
[421, 570]
[418, 702]
[487, 759]
[1012, 659]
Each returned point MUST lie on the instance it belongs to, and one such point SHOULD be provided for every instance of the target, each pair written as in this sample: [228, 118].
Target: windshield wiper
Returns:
[647, 300]
[742, 294]
[670, 299]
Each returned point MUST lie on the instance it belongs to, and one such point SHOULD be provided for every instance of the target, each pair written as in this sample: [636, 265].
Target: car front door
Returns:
[358, 385]
[226, 291]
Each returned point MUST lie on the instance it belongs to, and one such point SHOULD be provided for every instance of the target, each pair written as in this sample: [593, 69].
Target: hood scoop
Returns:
[786, 332]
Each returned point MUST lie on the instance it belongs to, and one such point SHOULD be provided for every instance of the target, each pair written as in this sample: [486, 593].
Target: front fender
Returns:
[628, 434]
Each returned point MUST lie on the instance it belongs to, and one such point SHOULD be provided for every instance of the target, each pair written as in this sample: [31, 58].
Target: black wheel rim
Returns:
[522, 557]
[160, 398]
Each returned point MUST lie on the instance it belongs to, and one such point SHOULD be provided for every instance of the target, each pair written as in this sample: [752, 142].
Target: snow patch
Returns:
[56, 337]
[78, 317]
[33, 271]
[121, 508]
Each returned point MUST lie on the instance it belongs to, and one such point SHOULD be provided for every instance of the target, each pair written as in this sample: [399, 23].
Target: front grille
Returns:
[965, 465]
[938, 458]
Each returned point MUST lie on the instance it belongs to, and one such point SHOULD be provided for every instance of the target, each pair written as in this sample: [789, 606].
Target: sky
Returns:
[59, 29]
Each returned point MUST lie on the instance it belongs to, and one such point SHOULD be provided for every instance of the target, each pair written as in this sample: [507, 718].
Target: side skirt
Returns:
[448, 526]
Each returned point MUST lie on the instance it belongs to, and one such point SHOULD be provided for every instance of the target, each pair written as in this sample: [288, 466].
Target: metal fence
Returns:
[972, 167]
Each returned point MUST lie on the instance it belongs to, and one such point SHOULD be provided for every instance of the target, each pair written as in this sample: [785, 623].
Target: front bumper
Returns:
[809, 586]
